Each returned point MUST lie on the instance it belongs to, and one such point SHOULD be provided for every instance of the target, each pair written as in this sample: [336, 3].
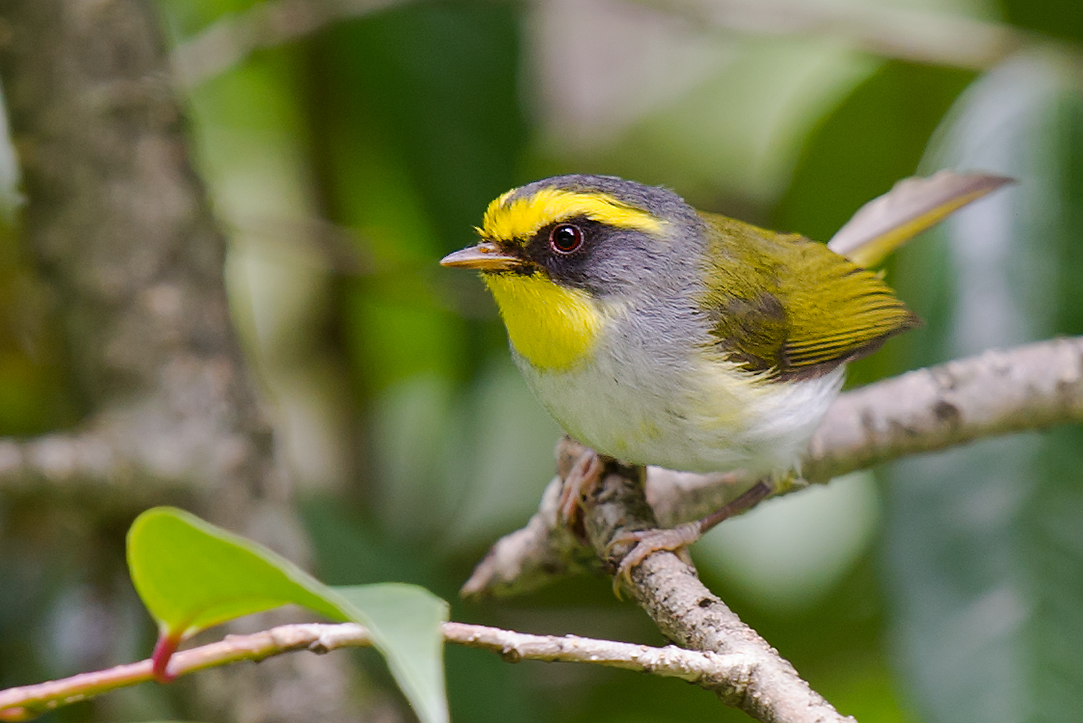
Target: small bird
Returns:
[657, 334]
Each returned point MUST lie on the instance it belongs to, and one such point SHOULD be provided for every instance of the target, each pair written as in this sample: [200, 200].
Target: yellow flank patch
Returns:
[523, 217]
[553, 327]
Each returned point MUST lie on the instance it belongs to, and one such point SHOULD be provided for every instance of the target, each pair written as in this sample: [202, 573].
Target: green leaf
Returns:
[405, 624]
[192, 575]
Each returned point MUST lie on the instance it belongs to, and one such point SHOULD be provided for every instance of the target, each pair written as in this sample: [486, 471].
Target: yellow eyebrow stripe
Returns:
[523, 217]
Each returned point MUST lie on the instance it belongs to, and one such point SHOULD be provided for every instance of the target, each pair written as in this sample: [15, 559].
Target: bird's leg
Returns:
[678, 538]
[584, 474]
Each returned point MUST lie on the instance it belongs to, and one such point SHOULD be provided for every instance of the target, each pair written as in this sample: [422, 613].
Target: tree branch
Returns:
[703, 668]
[1035, 386]
[765, 686]
[54, 459]
[1029, 387]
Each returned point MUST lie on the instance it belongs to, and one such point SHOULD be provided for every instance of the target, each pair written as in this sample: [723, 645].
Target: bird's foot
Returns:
[647, 542]
[583, 476]
[677, 539]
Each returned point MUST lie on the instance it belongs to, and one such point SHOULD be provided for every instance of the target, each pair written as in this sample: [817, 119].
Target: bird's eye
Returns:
[565, 238]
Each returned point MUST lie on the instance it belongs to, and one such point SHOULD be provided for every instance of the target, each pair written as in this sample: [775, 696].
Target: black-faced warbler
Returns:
[657, 334]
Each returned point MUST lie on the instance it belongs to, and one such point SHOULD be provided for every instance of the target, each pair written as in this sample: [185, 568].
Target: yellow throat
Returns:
[551, 326]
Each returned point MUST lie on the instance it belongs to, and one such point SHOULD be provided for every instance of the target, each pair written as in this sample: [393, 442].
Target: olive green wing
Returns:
[838, 312]
[792, 308]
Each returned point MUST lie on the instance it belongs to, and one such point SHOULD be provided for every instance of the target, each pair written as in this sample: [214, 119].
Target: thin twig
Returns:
[703, 668]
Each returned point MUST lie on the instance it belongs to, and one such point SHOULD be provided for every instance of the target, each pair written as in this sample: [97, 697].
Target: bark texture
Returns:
[122, 233]
[1029, 387]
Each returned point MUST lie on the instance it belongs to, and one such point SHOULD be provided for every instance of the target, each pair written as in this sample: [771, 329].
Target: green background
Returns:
[345, 163]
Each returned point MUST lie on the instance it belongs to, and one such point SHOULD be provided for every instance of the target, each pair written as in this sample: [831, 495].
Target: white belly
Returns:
[698, 420]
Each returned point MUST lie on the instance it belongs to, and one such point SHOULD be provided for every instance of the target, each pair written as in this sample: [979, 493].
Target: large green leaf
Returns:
[405, 624]
[192, 575]
[985, 545]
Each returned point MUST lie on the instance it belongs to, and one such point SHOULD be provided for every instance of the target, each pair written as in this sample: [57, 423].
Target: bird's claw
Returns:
[583, 475]
[648, 542]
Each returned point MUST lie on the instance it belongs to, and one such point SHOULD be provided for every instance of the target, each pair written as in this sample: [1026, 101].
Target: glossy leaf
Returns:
[405, 624]
[192, 575]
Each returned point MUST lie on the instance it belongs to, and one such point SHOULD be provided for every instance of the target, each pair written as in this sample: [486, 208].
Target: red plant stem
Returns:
[163, 651]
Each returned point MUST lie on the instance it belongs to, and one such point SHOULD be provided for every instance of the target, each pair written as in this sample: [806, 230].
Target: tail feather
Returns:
[911, 206]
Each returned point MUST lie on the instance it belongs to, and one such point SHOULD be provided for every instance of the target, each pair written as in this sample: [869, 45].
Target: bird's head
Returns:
[561, 254]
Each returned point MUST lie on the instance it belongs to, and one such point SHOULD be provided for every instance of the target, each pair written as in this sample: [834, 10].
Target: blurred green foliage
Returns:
[1057, 18]
[346, 162]
[986, 573]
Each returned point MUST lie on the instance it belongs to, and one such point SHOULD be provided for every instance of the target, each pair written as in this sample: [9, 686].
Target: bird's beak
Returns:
[486, 256]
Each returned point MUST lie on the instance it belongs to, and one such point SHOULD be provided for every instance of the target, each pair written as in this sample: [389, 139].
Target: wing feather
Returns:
[792, 308]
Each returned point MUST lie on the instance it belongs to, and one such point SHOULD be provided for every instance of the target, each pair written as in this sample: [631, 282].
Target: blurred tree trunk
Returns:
[122, 234]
